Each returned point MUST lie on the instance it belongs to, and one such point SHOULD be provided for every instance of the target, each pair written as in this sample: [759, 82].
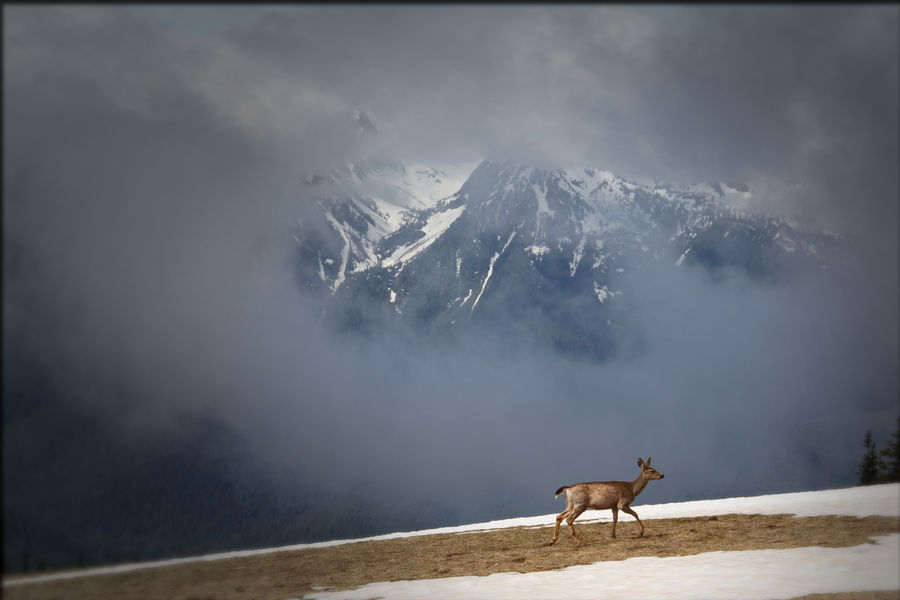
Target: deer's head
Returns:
[648, 471]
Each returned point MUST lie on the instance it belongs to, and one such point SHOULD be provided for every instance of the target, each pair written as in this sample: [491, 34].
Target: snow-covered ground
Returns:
[756, 574]
[744, 574]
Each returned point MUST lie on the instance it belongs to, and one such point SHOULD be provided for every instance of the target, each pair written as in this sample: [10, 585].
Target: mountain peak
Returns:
[512, 237]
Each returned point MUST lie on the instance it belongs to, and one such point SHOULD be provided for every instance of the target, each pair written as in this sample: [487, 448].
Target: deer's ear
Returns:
[648, 461]
[641, 462]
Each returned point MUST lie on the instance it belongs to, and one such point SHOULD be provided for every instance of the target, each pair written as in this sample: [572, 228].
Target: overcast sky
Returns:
[151, 163]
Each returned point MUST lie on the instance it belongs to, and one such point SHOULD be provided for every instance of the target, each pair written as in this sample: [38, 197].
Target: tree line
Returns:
[883, 466]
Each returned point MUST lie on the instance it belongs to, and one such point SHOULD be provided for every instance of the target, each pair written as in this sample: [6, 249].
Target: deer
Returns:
[600, 495]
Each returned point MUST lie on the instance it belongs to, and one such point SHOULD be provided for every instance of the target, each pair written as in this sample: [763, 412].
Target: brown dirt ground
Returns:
[292, 574]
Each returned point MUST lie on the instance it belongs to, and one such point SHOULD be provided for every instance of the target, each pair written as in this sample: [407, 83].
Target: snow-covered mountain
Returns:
[364, 203]
[537, 253]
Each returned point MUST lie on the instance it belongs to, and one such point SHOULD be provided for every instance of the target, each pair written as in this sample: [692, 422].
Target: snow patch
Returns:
[577, 254]
[345, 252]
[543, 207]
[538, 250]
[603, 293]
[435, 225]
[708, 576]
[491, 268]
[321, 268]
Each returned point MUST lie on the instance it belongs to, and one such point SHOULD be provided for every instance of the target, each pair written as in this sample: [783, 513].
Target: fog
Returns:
[152, 167]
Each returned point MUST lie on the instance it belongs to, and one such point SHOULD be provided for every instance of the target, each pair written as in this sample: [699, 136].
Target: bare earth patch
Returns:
[292, 574]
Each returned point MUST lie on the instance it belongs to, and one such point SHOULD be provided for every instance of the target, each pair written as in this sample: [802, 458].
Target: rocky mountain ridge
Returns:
[537, 249]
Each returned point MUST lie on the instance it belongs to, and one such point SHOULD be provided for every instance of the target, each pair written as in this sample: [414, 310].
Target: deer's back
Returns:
[600, 495]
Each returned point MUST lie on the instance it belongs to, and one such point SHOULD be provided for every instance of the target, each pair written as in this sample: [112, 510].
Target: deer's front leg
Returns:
[634, 514]
[615, 512]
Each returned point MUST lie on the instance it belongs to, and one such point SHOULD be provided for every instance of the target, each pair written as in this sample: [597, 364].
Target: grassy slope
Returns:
[292, 574]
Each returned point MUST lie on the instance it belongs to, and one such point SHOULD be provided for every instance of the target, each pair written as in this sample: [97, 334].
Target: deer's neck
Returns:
[638, 485]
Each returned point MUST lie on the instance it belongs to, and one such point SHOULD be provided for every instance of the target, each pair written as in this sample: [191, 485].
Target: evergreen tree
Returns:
[890, 457]
[868, 469]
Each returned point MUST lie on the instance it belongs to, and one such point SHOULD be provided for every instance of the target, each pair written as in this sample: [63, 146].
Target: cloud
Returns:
[751, 95]
[742, 94]
[152, 181]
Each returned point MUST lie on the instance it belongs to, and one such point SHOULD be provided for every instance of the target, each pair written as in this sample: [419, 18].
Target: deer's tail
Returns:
[561, 490]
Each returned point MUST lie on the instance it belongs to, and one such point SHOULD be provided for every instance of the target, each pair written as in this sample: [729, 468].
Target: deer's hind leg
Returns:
[559, 519]
[564, 514]
[574, 513]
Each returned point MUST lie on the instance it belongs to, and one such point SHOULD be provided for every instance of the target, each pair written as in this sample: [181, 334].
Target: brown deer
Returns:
[599, 495]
